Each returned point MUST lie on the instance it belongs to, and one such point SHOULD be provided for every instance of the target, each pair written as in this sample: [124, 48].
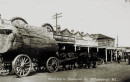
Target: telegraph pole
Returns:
[56, 16]
[117, 41]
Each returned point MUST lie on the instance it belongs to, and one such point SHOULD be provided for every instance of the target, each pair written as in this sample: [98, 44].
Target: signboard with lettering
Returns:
[81, 42]
[64, 38]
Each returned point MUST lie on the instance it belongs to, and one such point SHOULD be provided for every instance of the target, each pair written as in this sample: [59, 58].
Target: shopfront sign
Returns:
[64, 38]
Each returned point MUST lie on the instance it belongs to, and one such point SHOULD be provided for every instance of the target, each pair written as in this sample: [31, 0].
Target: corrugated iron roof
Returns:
[101, 36]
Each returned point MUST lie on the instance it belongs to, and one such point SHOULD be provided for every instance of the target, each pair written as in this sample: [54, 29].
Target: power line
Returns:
[56, 16]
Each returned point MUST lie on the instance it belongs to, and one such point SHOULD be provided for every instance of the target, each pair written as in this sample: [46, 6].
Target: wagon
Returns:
[23, 46]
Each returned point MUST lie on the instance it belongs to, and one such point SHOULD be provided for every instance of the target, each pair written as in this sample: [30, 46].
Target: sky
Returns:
[108, 17]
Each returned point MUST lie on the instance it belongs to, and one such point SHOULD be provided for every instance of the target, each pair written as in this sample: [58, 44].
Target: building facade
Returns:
[104, 40]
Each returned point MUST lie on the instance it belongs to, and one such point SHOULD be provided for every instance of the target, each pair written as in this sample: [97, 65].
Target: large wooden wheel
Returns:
[52, 64]
[22, 65]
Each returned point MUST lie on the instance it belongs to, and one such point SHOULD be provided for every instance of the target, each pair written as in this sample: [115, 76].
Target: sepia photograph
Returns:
[64, 41]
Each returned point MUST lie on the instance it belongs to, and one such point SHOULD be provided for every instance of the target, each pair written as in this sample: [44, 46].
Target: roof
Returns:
[87, 35]
[77, 33]
[101, 36]
[65, 30]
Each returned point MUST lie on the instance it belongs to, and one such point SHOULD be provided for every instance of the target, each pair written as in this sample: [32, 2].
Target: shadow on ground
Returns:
[126, 80]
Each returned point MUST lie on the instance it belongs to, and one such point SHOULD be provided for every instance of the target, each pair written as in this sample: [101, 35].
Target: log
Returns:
[26, 36]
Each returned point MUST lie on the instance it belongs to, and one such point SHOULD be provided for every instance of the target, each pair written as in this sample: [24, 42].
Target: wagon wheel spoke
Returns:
[18, 69]
[25, 60]
[22, 65]
[54, 61]
[20, 72]
[23, 71]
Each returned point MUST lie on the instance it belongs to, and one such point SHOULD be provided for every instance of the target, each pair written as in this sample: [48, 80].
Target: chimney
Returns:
[72, 31]
[82, 33]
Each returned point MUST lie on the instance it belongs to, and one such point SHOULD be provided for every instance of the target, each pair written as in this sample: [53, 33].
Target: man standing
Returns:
[88, 60]
[118, 57]
[125, 57]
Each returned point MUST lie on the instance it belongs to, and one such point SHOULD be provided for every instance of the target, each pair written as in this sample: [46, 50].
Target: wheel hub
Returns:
[22, 65]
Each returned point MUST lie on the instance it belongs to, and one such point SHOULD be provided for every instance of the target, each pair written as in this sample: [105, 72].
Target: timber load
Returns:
[17, 34]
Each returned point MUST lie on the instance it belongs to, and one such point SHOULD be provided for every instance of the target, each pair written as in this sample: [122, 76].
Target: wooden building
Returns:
[104, 40]
[99, 43]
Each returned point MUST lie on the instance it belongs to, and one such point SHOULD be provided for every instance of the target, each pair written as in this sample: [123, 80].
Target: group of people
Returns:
[119, 57]
[87, 60]
[82, 60]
